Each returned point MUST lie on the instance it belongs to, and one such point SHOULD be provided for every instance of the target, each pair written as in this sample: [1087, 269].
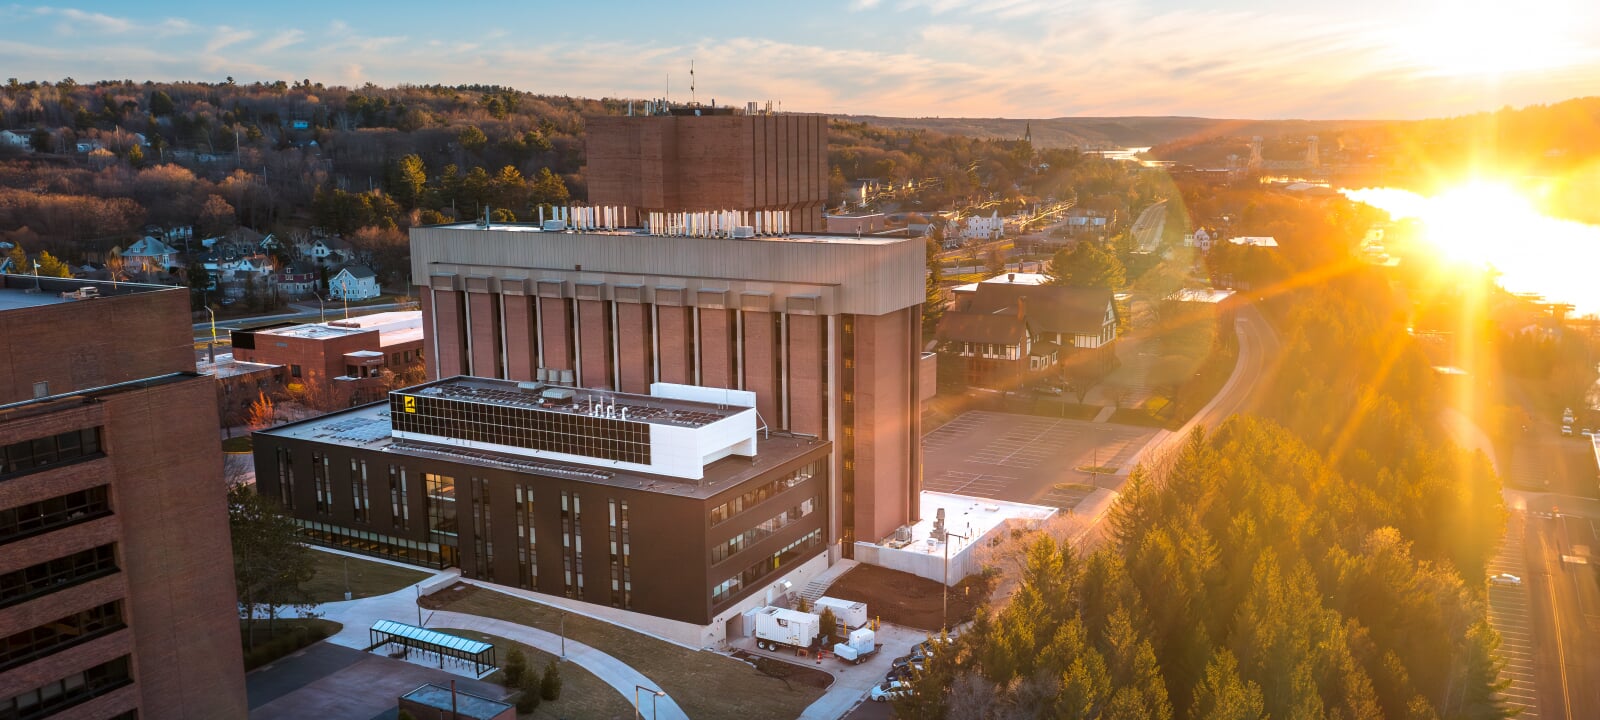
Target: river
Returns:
[1495, 226]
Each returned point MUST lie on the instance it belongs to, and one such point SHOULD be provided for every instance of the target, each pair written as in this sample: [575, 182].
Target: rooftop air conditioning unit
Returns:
[744, 232]
[553, 225]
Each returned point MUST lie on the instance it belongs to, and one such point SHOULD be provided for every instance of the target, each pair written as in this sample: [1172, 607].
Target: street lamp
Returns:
[211, 349]
[944, 611]
[563, 635]
[653, 695]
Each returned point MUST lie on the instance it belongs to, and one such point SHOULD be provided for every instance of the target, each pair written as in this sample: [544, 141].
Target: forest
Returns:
[1323, 558]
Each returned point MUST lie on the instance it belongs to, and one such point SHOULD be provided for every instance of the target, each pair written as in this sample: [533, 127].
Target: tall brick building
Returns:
[825, 330]
[714, 160]
[116, 583]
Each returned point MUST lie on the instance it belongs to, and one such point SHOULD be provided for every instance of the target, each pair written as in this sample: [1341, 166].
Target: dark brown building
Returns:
[715, 160]
[659, 504]
[116, 581]
[1014, 329]
[824, 330]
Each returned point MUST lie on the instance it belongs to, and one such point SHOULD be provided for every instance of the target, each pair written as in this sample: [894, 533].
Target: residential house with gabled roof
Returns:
[297, 279]
[354, 282]
[1013, 329]
[148, 255]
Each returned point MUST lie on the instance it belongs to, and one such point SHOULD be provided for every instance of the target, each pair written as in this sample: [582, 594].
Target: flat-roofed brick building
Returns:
[116, 577]
[825, 330]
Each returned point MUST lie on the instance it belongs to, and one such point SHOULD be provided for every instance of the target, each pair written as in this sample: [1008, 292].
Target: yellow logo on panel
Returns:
[411, 404]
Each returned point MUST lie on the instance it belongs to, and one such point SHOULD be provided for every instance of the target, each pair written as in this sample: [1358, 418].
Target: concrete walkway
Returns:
[609, 669]
[357, 616]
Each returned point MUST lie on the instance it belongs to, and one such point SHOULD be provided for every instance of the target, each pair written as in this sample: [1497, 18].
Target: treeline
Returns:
[1325, 560]
[958, 170]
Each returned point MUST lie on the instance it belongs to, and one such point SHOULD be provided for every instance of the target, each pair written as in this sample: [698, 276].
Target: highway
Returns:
[1148, 228]
[1549, 624]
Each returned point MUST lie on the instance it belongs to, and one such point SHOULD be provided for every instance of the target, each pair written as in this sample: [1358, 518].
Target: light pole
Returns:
[653, 695]
[563, 635]
[321, 307]
[944, 610]
[211, 350]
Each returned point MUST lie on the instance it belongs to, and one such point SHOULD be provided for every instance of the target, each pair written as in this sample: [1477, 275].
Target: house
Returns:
[1014, 328]
[18, 140]
[1198, 239]
[148, 255]
[984, 228]
[354, 282]
[326, 250]
[297, 278]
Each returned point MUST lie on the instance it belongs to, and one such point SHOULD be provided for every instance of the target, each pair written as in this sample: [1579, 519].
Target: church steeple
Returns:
[1027, 133]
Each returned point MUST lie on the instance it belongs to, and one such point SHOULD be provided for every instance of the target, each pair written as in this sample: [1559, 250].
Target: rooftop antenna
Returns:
[691, 83]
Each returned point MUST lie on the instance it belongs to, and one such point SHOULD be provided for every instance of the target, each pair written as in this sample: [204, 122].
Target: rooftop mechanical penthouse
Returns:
[676, 504]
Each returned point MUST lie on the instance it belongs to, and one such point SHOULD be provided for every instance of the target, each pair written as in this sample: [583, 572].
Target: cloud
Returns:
[983, 58]
[280, 41]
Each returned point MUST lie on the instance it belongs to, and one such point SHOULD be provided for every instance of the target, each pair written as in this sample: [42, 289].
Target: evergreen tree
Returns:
[550, 684]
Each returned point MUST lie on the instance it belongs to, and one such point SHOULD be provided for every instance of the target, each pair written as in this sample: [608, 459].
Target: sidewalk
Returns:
[357, 616]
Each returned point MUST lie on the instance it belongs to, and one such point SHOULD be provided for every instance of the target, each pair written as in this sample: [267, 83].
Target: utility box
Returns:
[851, 614]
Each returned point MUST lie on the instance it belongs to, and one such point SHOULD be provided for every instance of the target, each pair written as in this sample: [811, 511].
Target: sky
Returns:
[1381, 59]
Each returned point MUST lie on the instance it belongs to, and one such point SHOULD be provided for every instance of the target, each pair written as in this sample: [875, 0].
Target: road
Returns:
[1148, 228]
[1549, 624]
[1259, 346]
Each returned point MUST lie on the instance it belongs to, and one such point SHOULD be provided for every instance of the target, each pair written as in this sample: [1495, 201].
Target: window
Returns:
[441, 507]
[44, 578]
[572, 543]
[527, 542]
[46, 452]
[319, 478]
[286, 478]
[59, 634]
[621, 573]
[725, 590]
[294, 371]
[55, 696]
[724, 550]
[370, 543]
[359, 501]
[481, 529]
[399, 505]
[750, 498]
[36, 517]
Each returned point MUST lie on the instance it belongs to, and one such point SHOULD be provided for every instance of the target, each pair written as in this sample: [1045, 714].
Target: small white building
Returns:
[354, 282]
[984, 228]
[21, 141]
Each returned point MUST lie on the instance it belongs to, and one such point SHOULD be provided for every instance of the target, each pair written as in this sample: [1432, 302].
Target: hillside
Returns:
[1110, 132]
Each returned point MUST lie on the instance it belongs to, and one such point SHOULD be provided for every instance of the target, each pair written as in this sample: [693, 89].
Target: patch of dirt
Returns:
[792, 673]
[905, 599]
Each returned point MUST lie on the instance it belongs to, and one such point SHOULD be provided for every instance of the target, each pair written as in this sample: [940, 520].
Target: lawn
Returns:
[582, 694]
[240, 444]
[277, 638]
[367, 578]
[708, 686]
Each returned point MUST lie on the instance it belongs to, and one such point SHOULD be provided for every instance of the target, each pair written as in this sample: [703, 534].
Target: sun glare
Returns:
[1494, 225]
[1491, 37]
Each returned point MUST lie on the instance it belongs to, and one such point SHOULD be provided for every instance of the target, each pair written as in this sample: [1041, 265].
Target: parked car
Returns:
[1505, 579]
[890, 690]
[901, 673]
[1566, 431]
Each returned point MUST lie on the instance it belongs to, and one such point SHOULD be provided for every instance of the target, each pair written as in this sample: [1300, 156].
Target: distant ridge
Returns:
[1107, 132]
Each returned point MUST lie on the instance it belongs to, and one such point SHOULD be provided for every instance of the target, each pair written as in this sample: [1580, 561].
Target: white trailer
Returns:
[778, 628]
[861, 643]
[851, 614]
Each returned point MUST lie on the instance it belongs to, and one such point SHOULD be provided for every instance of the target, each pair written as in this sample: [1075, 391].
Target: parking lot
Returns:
[1021, 458]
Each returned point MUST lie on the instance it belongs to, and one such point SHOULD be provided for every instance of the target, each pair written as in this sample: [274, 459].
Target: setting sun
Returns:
[1492, 224]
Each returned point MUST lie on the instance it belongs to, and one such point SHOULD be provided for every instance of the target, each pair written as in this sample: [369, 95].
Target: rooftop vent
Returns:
[744, 232]
[553, 225]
